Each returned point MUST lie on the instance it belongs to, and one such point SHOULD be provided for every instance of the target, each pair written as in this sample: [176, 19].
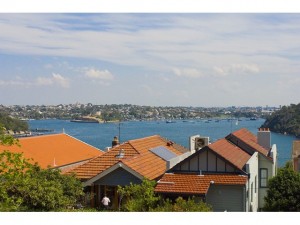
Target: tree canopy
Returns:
[13, 124]
[285, 120]
[24, 186]
[284, 191]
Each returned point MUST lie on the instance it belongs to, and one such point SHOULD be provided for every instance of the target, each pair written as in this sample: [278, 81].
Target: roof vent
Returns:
[121, 154]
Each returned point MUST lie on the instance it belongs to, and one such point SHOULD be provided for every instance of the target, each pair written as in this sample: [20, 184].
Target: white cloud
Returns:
[55, 79]
[99, 74]
[60, 80]
[187, 72]
[43, 81]
[238, 69]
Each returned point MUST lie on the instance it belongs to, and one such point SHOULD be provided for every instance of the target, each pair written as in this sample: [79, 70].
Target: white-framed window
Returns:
[263, 177]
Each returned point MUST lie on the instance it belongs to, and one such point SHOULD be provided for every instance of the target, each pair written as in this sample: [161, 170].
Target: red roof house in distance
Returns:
[129, 162]
[230, 174]
[55, 150]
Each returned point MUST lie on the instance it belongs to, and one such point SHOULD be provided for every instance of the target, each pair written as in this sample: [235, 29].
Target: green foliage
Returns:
[142, 198]
[182, 205]
[285, 120]
[13, 124]
[27, 187]
[24, 186]
[284, 191]
[138, 197]
[6, 139]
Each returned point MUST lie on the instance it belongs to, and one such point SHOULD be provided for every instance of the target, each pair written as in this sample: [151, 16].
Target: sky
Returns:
[155, 59]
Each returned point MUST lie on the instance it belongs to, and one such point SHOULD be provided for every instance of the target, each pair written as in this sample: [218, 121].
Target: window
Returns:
[263, 177]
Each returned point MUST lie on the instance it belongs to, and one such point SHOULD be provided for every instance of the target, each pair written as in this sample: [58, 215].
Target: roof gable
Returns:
[230, 152]
[244, 136]
[224, 151]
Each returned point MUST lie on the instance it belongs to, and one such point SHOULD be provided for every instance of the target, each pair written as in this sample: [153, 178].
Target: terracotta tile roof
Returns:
[195, 184]
[148, 165]
[250, 139]
[230, 152]
[137, 156]
[103, 162]
[60, 149]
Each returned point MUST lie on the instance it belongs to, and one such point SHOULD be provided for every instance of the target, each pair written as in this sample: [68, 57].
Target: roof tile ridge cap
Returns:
[82, 142]
[130, 143]
[251, 141]
[218, 140]
[238, 131]
[140, 139]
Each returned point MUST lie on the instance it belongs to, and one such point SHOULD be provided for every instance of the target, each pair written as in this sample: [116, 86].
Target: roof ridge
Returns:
[174, 143]
[83, 142]
[40, 136]
[139, 139]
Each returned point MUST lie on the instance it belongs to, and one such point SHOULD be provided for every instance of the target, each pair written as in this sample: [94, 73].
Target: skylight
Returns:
[163, 153]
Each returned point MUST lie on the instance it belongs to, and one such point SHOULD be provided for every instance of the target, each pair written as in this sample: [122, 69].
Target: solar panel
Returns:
[163, 153]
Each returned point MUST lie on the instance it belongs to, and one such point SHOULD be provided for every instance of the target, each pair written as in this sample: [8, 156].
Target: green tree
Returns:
[182, 205]
[138, 197]
[5, 139]
[13, 124]
[285, 120]
[284, 191]
[24, 186]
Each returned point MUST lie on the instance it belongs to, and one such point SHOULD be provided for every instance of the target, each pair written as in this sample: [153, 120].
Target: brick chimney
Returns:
[264, 137]
[115, 141]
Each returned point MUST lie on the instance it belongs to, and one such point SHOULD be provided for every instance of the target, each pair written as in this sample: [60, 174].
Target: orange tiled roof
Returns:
[61, 149]
[196, 184]
[137, 156]
[250, 139]
[230, 152]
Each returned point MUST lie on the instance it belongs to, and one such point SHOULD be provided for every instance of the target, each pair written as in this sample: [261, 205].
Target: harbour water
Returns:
[101, 135]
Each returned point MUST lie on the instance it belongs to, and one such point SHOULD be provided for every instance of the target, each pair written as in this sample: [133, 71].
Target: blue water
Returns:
[101, 135]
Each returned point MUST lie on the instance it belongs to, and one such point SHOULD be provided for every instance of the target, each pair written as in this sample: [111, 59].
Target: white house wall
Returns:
[264, 163]
[252, 185]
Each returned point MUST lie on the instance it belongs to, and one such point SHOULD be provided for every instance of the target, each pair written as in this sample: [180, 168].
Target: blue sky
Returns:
[157, 59]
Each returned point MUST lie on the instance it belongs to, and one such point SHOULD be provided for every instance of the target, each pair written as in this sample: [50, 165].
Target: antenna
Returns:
[119, 131]
[63, 130]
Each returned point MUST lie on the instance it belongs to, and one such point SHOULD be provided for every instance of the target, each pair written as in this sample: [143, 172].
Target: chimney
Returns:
[264, 137]
[115, 141]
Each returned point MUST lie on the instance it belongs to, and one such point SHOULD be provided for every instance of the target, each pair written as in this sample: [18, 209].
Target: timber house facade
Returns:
[230, 174]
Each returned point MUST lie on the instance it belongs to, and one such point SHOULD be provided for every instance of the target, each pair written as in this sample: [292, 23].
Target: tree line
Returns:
[13, 124]
[285, 121]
